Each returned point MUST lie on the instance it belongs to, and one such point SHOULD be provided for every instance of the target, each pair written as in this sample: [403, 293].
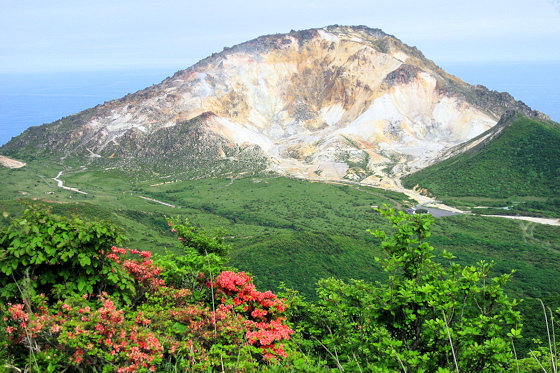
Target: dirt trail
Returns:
[397, 204]
[545, 221]
[156, 201]
[60, 184]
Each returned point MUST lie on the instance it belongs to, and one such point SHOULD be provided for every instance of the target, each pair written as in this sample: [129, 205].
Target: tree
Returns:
[205, 256]
[427, 316]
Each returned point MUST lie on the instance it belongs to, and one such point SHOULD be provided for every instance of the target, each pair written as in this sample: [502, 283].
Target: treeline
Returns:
[73, 300]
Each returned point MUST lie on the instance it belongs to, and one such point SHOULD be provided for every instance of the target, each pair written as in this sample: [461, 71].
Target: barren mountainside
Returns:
[336, 103]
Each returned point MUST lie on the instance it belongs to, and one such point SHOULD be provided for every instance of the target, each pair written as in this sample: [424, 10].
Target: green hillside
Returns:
[283, 230]
[311, 230]
[286, 230]
[524, 160]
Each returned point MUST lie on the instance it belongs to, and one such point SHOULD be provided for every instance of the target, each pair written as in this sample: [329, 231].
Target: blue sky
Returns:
[78, 35]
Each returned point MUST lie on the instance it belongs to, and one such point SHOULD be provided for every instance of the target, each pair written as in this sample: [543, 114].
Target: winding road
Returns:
[60, 184]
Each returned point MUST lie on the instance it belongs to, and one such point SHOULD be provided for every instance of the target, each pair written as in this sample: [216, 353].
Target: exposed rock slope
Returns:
[337, 102]
[10, 163]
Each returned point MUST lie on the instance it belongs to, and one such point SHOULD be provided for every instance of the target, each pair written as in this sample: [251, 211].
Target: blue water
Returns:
[536, 84]
[33, 99]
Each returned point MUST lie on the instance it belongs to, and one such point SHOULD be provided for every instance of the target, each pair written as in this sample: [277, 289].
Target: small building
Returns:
[410, 210]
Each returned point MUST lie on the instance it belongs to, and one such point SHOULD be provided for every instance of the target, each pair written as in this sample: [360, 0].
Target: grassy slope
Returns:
[522, 165]
[261, 216]
[285, 230]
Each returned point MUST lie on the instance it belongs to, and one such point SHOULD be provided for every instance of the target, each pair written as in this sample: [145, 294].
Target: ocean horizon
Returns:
[33, 99]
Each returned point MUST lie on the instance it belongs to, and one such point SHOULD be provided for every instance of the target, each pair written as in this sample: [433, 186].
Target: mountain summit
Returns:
[334, 103]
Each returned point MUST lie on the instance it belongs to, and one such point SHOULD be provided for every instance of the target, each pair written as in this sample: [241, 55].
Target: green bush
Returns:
[60, 257]
[428, 317]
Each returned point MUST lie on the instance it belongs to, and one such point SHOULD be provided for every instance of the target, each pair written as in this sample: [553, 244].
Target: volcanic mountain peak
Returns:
[336, 102]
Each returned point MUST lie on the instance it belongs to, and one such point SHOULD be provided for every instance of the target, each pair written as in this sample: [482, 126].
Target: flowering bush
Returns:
[88, 337]
[158, 326]
[264, 327]
[88, 331]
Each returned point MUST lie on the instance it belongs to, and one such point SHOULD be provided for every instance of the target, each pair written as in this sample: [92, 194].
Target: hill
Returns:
[519, 161]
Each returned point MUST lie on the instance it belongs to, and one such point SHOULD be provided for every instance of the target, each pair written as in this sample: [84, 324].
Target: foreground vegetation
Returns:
[72, 301]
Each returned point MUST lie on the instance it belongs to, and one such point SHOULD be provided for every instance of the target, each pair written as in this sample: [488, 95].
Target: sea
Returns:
[32, 99]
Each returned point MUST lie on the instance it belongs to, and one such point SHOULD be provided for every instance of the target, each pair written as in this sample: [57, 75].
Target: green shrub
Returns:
[428, 316]
[60, 257]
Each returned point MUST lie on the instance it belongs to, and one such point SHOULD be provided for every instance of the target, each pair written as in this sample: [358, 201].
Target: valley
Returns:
[265, 213]
[434, 207]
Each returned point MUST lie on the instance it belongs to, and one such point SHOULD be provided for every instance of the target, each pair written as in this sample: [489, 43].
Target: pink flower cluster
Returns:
[106, 329]
[143, 271]
[89, 332]
[76, 330]
[264, 328]
[240, 286]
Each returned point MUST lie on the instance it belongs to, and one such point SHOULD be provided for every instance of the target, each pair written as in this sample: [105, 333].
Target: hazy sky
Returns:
[39, 35]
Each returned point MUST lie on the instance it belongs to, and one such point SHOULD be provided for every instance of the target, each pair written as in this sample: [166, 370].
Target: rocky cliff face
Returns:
[337, 103]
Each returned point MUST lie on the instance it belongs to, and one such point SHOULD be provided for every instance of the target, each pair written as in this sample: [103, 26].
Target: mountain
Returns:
[332, 103]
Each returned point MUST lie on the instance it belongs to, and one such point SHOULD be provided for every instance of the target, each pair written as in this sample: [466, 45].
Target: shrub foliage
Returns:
[73, 302]
[427, 317]
[86, 328]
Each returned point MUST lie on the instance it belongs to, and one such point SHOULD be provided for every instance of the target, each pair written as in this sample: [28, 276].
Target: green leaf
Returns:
[81, 285]
[15, 243]
[84, 260]
[7, 270]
